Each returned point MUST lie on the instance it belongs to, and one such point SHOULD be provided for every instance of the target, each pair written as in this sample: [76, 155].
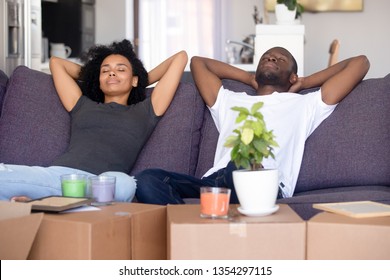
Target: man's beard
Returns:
[267, 78]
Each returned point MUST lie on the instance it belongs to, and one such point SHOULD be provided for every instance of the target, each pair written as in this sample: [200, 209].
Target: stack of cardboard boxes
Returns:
[17, 230]
[140, 231]
[278, 236]
[337, 237]
[119, 231]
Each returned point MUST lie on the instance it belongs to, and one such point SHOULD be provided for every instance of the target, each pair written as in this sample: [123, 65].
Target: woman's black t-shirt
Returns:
[107, 136]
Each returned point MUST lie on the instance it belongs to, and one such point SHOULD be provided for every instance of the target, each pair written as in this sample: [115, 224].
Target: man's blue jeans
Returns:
[157, 186]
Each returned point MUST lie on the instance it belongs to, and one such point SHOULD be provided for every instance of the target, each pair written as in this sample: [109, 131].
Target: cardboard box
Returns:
[333, 236]
[281, 235]
[18, 228]
[118, 231]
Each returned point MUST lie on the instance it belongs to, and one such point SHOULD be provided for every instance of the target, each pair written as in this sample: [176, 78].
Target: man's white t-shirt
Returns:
[292, 118]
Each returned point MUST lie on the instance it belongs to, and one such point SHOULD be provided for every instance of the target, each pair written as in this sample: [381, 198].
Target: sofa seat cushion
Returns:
[34, 126]
[174, 144]
[303, 203]
[352, 146]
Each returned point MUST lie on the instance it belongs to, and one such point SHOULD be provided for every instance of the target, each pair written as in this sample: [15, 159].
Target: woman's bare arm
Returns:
[64, 74]
[167, 75]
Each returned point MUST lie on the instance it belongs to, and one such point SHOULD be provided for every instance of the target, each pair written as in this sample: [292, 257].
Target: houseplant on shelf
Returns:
[287, 11]
[256, 187]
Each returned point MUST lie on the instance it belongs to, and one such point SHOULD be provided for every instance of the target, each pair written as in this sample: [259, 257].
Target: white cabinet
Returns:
[290, 37]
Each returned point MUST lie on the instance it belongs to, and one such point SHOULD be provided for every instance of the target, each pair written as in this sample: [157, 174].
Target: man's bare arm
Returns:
[208, 74]
[337, 80]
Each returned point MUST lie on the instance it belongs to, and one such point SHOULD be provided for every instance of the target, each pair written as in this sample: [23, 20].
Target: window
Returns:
[167, 26]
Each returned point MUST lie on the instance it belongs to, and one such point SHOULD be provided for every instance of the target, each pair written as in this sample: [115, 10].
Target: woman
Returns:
[111, 119]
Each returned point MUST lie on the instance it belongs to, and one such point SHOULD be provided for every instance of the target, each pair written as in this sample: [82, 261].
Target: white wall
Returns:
[365, 32]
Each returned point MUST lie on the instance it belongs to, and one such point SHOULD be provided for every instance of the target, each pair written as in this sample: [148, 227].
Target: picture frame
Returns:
[323, 5]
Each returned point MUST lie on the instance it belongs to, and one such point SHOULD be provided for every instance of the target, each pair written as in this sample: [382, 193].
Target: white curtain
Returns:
[167, 26]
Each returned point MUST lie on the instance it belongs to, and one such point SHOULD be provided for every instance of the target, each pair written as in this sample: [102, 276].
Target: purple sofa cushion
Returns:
[34, 126]
[3, 86]
[302, 203]
[207, 145]
[352, 146]
[174, 144]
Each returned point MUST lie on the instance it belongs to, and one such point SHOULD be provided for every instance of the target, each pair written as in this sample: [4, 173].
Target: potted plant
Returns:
[255, 186]
[287, 11]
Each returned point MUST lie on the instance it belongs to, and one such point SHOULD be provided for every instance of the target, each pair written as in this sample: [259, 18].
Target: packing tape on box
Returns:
[238, 229]
[122, 214]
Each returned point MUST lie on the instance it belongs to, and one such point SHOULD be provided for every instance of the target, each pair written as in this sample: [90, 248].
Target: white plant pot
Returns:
[284, 15]
[257, 191]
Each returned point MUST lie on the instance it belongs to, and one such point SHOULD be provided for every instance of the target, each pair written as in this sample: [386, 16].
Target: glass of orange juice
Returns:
[214, 202]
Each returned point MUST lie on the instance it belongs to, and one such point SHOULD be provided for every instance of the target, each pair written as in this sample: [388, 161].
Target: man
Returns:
[292, 117]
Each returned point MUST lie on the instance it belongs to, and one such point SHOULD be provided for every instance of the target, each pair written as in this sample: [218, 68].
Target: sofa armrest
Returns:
[34, 126]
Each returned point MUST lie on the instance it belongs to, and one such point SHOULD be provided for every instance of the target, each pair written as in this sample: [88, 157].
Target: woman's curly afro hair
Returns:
[90, 71]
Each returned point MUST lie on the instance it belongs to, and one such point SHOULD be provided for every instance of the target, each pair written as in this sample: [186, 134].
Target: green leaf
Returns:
[248, 124]
[258, 116]
[256, 107]
[252, 142]
[271, 154]
[273, 143]
[260, 146]
[247, 135]
[244, 150]
[241, 110]
[243, 162]
[241, 117]
[231, 141]
[234, 153]
[258, 128]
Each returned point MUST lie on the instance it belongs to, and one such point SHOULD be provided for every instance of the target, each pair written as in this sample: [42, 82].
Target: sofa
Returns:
[347, 158]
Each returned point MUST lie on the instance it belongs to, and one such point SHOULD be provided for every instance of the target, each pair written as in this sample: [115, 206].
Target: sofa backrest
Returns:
[34, 126]
[3, 86]
[352, 146]
[174, 144]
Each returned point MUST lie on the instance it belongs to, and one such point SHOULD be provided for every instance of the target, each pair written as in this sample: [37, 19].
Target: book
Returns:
[356, 209]
[58, 203]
